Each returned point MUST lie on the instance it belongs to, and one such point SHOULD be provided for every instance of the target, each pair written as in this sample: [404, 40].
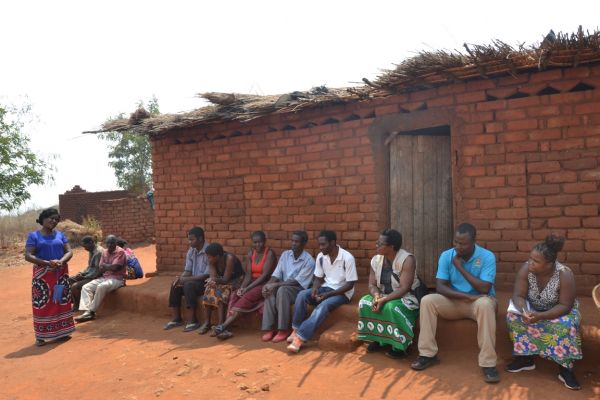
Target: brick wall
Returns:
[75, 204]
[525, 163]
[131, 218]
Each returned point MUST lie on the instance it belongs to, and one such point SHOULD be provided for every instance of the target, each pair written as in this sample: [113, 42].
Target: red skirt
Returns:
[252, 300]
[52, 316]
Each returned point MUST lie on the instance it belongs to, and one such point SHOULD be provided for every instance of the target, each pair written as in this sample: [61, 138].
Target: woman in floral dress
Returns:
[545, 317]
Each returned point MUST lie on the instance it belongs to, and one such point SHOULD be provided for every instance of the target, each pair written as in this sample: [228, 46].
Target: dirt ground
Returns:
[129, 356]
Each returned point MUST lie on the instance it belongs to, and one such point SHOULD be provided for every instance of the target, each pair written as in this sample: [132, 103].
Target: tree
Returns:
[131, 155]
[19, 166]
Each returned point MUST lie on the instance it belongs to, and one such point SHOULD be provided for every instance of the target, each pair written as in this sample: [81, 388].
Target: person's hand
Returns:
[457, 261]
[472, 297]
[531, 317]
[322, 296]
[378, 305]
[267, 290]
[314, 293]
[241, 291]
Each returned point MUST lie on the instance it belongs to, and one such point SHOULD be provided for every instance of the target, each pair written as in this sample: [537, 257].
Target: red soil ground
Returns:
[128, 356]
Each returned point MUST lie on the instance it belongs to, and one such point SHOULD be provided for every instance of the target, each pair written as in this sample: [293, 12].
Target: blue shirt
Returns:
[482, 265]
[301, 269]
[51, 247]
[196, 261]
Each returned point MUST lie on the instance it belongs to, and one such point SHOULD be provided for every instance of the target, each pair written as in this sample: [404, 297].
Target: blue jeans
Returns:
[306, 327]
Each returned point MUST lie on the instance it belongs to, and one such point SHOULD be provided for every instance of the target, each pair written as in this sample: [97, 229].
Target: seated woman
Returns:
[545, 320]
[134, 268]
[225, 273]
[387, 315]
[260, 262]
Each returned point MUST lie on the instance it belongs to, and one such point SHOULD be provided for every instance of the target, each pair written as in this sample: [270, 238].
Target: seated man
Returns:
[113, 266]
[465, 289]
[293, 272]
[90, 273]
[333, 285]
[190, 284]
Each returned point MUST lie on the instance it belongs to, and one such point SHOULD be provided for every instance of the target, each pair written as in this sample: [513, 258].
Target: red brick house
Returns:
[507, 139]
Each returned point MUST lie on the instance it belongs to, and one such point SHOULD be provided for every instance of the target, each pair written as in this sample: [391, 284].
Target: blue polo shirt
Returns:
[482, 265]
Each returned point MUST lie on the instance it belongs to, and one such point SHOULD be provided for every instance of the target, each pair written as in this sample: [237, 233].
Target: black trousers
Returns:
[190, 290]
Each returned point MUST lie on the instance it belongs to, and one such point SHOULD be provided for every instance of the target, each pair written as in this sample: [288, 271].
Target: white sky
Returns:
[79, 62]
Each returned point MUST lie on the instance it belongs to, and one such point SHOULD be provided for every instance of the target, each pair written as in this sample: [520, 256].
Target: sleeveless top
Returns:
[257, 269]
[238, 271]
[401, 256]
[548, 297]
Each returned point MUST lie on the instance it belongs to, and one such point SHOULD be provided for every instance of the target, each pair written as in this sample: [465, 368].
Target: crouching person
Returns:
[333, 285]
[113, 266]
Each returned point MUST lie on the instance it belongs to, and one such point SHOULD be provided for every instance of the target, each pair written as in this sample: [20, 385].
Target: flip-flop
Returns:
[172, 324]
[40, 342]
[225, 335]
[203, 329]
[191, 327]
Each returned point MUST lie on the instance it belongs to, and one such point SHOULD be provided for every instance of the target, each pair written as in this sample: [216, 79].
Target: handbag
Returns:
[58, 291]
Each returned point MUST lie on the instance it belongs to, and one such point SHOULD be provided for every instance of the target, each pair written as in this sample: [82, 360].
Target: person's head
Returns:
[88, 243]
[389, 238]
[299, 239]
[121, 242]
[111, 242]
[464, 239]
[327, 241]
[259, 239]
[48, 218]
[214, 252]
[196, 237]
[543, 255]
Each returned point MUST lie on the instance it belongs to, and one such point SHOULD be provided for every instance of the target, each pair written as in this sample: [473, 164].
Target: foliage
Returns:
[131, 155]
[19, 166]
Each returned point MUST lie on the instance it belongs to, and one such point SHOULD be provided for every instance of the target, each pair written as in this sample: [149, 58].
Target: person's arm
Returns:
[481, 286]
[316, 284]
[565, 301]
[443, 287]
[407, 277]
[519, 296]
[351, 278]
[247, 265]
[68, 253]
[373, 288]
[229, 267]
[266, 272]
[32, 258]
[117, 264]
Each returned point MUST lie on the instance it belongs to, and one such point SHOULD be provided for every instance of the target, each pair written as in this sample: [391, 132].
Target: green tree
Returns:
[19, 166]
[131, 155]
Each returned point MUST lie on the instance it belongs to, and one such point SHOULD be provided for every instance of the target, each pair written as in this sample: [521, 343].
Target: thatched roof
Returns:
[428, 69]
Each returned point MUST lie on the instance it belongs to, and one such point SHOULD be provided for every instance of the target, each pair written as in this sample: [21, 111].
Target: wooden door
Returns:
[421, 196]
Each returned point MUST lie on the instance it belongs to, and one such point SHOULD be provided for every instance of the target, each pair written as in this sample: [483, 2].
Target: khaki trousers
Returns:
[94, 292]
[482, 310]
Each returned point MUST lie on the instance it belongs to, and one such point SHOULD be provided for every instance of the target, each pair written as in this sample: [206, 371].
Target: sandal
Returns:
[172, 324]
[40, 342]
[225, 335]
[217, 330]
[191, 327]
[203, 329]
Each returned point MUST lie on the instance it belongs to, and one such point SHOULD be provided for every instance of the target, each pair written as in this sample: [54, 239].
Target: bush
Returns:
[75, 232]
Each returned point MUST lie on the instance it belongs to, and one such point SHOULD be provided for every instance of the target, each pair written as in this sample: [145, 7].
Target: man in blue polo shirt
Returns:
[465, 289]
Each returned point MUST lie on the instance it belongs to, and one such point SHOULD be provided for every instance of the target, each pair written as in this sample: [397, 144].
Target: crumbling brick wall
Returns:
[131, 218]
[77, 203]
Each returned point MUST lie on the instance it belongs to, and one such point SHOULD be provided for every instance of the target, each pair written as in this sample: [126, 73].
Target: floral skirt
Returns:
[216, 294]
[393, 325]
[557, 339]
[52, 310]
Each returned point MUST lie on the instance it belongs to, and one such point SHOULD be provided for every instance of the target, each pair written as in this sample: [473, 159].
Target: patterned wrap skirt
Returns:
[250, 301]
[558, 339]
[216, 294]
[52, 307]
[393, 325]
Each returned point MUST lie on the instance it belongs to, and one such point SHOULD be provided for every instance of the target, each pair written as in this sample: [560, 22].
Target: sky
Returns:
[79, 63]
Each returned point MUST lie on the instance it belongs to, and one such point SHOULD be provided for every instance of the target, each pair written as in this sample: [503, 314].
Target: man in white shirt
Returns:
[333, 285]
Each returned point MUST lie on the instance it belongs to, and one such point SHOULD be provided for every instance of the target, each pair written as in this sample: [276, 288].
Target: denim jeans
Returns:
[306, 327]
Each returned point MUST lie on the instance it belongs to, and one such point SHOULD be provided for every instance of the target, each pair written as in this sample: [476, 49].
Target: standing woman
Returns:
[48, 250]
[546, 320]
[225, 273]
[388, 314]
[260, 262]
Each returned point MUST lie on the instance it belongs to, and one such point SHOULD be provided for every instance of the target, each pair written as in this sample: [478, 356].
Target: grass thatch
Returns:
[426, 70]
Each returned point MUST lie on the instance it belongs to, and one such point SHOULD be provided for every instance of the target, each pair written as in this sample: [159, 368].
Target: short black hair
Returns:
[260, 234]
[110, 238]
[465, 227]
[302, 234]
[393, 238]
[329, 235]
[214, 250]
[196, 231]
[48, 212]
[121, 242]
[87, 239]
[550, 247]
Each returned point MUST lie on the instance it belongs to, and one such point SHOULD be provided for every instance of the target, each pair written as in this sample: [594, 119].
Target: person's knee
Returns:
[428, 301]
[485, 304]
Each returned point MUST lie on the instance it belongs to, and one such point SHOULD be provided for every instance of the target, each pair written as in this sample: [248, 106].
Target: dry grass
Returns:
[75, 232]
[13, 232]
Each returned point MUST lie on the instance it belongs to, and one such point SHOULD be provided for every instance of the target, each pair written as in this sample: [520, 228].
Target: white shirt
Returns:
[336, 275]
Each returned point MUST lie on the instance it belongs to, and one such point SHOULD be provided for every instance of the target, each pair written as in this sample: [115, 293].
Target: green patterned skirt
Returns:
[393, 325]
[557, 339]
